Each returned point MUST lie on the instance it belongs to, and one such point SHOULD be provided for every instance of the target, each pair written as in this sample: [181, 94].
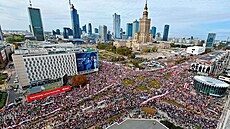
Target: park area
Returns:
[150, 111]
[3, 98]
[2, 78]
[155, 83]
[127, 82]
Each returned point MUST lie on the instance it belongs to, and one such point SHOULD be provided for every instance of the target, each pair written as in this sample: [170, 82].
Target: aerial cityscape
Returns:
[134, 64]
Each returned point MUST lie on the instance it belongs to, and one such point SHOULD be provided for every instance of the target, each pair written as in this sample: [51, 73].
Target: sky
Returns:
[186, 18]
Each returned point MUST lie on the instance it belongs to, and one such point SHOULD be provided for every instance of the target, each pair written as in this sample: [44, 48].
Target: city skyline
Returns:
[188, 18]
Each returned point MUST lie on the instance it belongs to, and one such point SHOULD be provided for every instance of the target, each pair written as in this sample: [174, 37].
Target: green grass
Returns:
[127, 82]
[2, 78]
[141, 78]
[168, 75]
[52, 86]
[155, 83]
[173, 103]
[114, 118]
[143, 88]
[3, 97]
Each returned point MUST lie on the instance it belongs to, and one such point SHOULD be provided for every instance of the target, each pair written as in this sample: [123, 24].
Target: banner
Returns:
[44, 94]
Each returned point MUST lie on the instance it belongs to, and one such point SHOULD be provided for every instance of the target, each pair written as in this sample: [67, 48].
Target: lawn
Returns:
[52, 86]
[155, 83]
[141, 78]
[2, 78]
[173, 103]
[114, 117]
[127, 82]
[167, 75]
[150, 111]
[3, 97]
[143, 88]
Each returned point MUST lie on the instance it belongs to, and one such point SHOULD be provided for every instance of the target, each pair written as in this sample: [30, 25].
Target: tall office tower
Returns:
[75, 21]
[36, 23]
[116, 26]
[54, 32]
[191, 38]
[144, 35]
[135, 27]
[1, 34]
[154, 31]
[66, 33]
[158, 36]
[166, 33]
[103, 33]
[129, 29]
[70, 32]
[211, 40]
[58, 32]
[109, 36]
[96, 30]
[84, 28]
[90, 28]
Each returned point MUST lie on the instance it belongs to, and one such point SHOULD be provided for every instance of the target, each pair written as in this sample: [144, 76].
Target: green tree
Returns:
[154, 49]
[79, 80]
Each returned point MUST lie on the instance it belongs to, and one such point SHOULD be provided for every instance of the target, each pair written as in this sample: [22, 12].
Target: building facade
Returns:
[75, 22]
[144, 35]
[116, 26]
[210, 41]
[36, 23]
[90, 28]
[1, 34]
[196, 50]
[135, 28]
[154, 31]
[129, 30]
[103, 33]
[84, 30]
[210, 86]
[96, 30]
[166, 33]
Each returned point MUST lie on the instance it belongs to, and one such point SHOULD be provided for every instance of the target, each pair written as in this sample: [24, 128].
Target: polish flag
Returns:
[186, 85]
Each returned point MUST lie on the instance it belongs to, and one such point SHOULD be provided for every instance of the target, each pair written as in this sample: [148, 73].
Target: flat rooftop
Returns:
[138, 124]
[211, 56]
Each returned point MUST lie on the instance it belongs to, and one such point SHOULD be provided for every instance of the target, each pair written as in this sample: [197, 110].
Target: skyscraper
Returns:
[144, 35]
[75, 22]
[65, 33]
[211, 40]
[36, 23]
[116, 26]
[129, 29]
[103, 33]
[154, 30]
[90, 28]
[135, 27]
[84, 28]
[166, 33]
[1, 34]
[58, 32]
[96, 30]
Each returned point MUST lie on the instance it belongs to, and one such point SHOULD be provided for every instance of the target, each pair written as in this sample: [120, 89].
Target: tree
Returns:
[147, 50]
[79, 80]
[154, 49]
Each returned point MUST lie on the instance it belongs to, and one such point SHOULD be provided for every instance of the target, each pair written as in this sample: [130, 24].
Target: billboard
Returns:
[87, 62]
[44, 94]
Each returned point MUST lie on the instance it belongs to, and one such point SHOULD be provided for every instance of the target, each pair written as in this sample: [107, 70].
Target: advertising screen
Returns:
[87, 61]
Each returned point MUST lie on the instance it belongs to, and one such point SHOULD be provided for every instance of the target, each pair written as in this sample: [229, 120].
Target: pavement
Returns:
[13, 95]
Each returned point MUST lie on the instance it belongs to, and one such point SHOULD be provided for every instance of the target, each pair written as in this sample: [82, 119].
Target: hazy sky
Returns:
[185, 17]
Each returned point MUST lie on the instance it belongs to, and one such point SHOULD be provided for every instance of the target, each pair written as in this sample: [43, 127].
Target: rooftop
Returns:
[211, 81]
[212, 56]
[138, 124]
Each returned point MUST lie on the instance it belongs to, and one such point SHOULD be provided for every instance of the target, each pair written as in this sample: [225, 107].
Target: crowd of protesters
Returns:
[108, 100]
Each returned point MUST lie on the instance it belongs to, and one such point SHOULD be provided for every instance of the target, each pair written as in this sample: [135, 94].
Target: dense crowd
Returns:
[108, 100]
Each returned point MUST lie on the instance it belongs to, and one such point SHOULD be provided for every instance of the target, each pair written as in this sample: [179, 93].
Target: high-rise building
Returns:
[36, 23]
[158, 36]
[116, 26]
[1, 34]
[70, 32]
[135, 28]
[58, 32]
[96, 30]
[84, 28]
[66, 32]
[154, 31]
[129, 29]
[144, 35]
[211, 40]
[228, 40]
[103, 33]
[75, 22]
[90, 28]
[109, 36]
[166, 33]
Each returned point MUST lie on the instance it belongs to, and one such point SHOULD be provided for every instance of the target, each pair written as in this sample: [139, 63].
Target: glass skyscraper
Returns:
[116, 26]
[103, 33]
[90, 28]
[1, 34]
[166, 33]
[135, 27]
[129, 29]
[154, 31]
[36, 23]
[210, 40]
[75, 22]
[96, 30]
[84, 28]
